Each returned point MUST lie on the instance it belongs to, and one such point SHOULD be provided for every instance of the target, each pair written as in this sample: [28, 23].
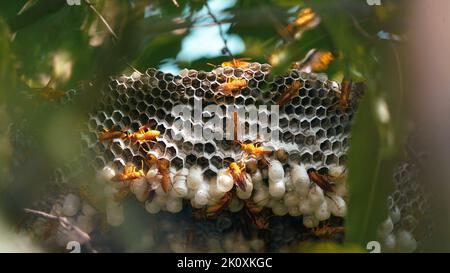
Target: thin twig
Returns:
[72, 231]
[360, 28]
[175, 3]
[134, 69]
[25, 7]
[88, 2]
[225, 49]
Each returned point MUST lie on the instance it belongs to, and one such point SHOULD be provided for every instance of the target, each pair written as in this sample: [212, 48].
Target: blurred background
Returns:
[55, 56]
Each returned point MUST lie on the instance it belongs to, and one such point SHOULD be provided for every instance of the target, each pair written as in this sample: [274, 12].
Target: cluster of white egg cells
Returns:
[285, 189]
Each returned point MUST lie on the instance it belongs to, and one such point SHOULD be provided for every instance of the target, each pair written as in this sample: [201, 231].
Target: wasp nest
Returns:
[410, 221]
[140, 142]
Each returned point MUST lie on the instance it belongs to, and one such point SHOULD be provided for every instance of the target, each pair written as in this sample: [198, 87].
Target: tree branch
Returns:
[72, 231]
[225, 49]
[102, 19]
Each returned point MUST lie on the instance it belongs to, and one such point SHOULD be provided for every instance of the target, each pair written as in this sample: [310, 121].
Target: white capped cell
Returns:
[339, 173]
[389, 243]
[174, 205]
[160, 200]
[114, 213]
[277, 189]
[395, 214]
[248, 189]
[405, 241]
[195, 177]
[276, 171]
[225, 181]
[106, 174]
[71, 204]
[251, 165]
[257, 179]
[151, 173]
[88, 210]
[179, 188]
[310, 221]
[294, 211]
[152, 207]
[316, 197]
[337, 205]
[299, 175]
[202, 194]
[214, 192]
[140, 189]
[261, 196]
[235, 205]
[385, 228]
[322, 213]
[305, 206]
[291, 199]
[85, 223]
[279, 209]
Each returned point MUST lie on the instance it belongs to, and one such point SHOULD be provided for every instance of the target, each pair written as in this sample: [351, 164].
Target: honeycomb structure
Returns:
[313, 134]
[409, 224]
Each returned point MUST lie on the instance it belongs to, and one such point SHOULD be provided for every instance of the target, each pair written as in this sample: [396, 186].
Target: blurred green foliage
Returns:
[50, 39]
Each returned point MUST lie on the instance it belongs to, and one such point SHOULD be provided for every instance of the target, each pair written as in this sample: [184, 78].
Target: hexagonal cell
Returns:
[134, 114]
[287, 137]
[299, 110]
[331, 159]
[237, 100]
[294, 124]
[109, 123]
[92, 124]
[345, 142]
[331, 132]
[310, 140]
[289, 109]
[151, 110]
[160, 113]
[198, 148]
[343, 160]
[135, 125]
[300, 139]
[325, 146]
[203, 162]
[305, 125]
[209, 148]
[259, 76]
[216, 161]
[187, 146]
[306, 158]
[309, 111]
[177, 162]
[318, 156]
[171, 152]
[127, 154]
[337, 146]
[312, 93]
[315, 122]
[284, 121]
[209, 173]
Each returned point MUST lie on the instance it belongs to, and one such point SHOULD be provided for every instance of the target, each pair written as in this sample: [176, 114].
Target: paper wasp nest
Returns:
[410, 221]
[313, 134]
